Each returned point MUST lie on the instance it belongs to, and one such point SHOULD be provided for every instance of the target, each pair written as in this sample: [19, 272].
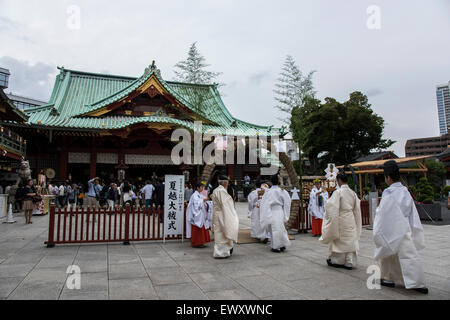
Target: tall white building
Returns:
[443, 104]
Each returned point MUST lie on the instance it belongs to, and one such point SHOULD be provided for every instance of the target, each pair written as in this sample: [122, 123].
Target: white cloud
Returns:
[398, 66]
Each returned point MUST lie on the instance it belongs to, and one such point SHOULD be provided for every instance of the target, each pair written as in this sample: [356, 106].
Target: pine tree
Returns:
[192, 70]
[292, 88]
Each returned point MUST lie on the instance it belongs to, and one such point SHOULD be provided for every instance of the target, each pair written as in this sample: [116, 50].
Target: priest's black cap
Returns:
[223, 178]
[390, 167]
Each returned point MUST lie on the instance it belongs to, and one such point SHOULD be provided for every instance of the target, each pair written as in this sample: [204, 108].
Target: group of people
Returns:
[149, 195]
[269, 209]
[213, 209]
[66, 194]
[397, 231]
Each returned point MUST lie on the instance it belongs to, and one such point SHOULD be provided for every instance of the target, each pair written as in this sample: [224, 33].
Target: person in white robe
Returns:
[342, 224]
[225, 221]
[398, 235]
[316, 208]
[196, 216]
[209, 205]
[275, 212]
[254, 203]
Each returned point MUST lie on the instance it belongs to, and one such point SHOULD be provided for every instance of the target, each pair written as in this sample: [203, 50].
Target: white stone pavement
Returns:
[28, 270]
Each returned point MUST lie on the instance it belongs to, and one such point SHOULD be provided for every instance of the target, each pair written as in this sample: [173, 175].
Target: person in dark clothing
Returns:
[159, 197]
[113, 196]
[159, 194]
[232, 191]
[213, 182]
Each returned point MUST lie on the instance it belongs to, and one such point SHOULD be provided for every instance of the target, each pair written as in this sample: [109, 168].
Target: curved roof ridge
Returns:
[40, 108]
[191, 84]
[104, 75]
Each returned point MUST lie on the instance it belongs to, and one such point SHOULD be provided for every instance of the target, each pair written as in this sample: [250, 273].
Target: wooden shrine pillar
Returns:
[230, 171]
[93, 164]
[63, 164]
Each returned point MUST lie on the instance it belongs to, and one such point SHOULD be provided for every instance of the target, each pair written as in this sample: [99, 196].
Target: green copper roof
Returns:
[76, 94]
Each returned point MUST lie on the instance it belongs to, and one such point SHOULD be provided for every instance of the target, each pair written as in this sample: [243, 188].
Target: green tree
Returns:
[192, 70]
[436, 173]
[338, 132]
[292, 87]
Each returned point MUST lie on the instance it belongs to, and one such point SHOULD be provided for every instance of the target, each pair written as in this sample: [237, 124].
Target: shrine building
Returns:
[106, 125]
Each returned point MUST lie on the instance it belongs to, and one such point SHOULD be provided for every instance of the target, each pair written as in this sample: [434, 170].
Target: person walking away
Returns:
[196, 216]
[61, 195]
[225, 221]
[398, 235]
[93, 195]
[275, 212]
[159, 197]
[72, 197]
[342, 226]
[128, 194]
[147, 191]
[113, 196]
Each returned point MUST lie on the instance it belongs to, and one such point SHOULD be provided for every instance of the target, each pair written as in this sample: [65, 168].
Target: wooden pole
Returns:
[360, 186]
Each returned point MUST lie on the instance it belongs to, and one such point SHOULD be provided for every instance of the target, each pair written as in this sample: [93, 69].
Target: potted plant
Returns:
[428, 210]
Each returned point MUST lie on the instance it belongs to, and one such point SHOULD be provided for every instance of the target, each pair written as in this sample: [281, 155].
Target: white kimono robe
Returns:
[274, 213]
[342, 224]
[208, 206]
[398, 235]
[314, 209]
[254, 203]
[195, 213]
[225, 223]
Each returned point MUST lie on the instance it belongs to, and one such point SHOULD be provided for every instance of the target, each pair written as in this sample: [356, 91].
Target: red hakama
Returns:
[199, 236]
[316, 226]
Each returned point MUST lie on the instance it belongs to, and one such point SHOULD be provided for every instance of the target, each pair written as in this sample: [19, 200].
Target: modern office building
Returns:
[24, 103]
[443, 104]
[427, 146]
[4, 78]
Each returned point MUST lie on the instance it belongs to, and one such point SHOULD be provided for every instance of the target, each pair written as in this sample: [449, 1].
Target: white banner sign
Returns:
[174, 206]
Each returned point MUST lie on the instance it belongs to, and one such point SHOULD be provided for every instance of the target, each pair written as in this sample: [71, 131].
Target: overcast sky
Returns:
[398, 66]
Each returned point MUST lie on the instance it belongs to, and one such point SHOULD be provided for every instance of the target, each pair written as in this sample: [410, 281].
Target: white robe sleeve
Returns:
[286, 205]
[195, 213]
[251, 203]
[416, 227]
[330, 224]
[312, 202]
[264, 209]
[390, 227]
[357, 215]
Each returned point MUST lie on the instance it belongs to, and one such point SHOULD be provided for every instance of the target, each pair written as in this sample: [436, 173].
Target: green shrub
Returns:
[445, 190]
[425, 191]
[413, 191]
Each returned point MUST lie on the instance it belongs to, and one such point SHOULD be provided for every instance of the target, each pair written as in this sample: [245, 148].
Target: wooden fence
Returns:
[125, 225]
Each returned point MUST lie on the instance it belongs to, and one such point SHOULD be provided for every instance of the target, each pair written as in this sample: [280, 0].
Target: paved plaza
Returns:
[28, 270]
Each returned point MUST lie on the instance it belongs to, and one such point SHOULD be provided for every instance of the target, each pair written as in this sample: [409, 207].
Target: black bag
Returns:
[36, 199]
[20, 193]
